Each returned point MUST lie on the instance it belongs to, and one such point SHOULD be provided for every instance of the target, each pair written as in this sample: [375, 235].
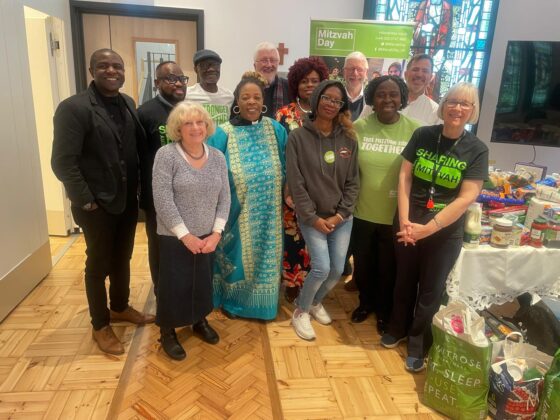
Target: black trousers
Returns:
[374, 266]
[109, 243]
[153, 246]
[422, 272]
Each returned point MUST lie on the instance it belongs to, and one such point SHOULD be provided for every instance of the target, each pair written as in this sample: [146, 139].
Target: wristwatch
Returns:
[88, 206]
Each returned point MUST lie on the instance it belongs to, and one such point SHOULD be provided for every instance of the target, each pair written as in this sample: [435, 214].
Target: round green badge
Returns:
[329, 156]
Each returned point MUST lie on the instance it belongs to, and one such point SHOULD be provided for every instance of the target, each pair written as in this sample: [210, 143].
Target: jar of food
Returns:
[501, 233]
[485, 235]
[538, 229]
[515, 238]
[495, 216]
[552, 235]
[553, 231]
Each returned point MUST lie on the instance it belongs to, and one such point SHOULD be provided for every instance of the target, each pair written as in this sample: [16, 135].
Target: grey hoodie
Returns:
[322, 172]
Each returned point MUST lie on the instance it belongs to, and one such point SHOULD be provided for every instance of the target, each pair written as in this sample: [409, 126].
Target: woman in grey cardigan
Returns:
[192, 199]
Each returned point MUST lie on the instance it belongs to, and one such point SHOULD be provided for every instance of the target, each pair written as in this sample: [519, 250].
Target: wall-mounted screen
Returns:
[528, 110]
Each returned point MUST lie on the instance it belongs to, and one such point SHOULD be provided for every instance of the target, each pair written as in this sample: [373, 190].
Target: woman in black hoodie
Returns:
[322, 172]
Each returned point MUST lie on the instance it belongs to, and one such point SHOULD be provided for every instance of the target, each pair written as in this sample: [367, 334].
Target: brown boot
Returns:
[108, 341]
[132, 315]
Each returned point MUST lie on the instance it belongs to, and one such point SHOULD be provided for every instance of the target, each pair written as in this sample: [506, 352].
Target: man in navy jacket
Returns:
[97, 140]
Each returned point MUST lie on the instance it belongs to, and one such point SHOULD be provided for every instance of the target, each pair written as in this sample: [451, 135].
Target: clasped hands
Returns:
[201, 246]
[410, 232]
[327, 225]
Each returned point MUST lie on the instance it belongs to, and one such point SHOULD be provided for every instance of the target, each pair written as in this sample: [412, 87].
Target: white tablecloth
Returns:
[486, 275]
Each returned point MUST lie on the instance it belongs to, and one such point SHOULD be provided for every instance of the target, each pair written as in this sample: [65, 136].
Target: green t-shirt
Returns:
[380, 146]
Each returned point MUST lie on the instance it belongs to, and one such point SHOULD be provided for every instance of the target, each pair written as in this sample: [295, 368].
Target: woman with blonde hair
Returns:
[192, 200]
[442, 172]
[249, 257]
[323, 179]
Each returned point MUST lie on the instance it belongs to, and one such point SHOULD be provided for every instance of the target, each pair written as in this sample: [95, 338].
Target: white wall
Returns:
[518, 20]
[234, 27]
[24, 247]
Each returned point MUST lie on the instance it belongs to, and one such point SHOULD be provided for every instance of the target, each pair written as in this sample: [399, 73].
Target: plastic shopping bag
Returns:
[550, 400]
[458, 364]
[516, 379]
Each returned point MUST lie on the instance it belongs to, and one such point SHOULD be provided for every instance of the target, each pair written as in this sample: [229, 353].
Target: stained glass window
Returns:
[543, 72]
[508, 101]
[453, 32]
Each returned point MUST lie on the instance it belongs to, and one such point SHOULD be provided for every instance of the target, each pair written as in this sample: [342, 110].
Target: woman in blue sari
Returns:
[249, 257]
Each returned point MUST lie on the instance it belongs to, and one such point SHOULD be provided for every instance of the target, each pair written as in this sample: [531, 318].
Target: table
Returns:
[485, 275]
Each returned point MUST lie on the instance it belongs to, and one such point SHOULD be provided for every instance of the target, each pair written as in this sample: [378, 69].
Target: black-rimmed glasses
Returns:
[332, 101]
[173, 78]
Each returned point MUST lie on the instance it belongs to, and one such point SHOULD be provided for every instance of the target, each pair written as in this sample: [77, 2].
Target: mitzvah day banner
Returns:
[384, 43]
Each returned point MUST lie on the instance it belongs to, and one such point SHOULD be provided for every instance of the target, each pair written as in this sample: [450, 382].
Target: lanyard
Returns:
[435, 171]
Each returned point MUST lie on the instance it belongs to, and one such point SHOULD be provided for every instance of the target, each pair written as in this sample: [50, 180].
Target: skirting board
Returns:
[19, 282]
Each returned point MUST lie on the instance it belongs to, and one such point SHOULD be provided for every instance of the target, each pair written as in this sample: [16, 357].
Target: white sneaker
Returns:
[320, 314]
[302, 324]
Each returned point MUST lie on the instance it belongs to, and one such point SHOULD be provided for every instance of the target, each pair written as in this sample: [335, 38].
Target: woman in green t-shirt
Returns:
[382, 136]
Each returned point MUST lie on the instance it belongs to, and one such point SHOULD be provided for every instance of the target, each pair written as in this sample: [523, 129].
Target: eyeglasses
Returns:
[173, 78]
[335, 102]
[268, 61]
[452, 103]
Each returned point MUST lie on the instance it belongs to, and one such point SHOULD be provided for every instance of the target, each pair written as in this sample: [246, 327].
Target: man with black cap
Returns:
[171, 84]
[215, 99]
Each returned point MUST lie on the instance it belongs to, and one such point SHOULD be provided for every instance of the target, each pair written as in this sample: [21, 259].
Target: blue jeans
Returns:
[328, 254]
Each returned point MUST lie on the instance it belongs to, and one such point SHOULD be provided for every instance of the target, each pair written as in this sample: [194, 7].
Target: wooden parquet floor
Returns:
[50, 368]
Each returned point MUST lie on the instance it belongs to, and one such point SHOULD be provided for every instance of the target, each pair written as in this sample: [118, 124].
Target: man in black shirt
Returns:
[172, 86]
[95, 155]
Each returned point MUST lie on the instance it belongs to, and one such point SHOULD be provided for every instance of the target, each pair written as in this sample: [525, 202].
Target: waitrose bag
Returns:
[457, 379]
[550, 399]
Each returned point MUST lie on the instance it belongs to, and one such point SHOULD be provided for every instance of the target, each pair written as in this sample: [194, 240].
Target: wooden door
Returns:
[121, 33]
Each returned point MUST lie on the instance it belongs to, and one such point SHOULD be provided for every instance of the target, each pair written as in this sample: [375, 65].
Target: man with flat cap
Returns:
[215, 99]
[171, 85]
[95, 154]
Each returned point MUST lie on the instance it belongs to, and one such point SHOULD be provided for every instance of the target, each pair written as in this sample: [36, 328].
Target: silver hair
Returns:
[265, 46]
[358, 56]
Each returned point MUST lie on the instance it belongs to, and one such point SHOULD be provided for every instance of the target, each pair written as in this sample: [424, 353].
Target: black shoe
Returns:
[360, 314]
[171, 345]
[206, 332]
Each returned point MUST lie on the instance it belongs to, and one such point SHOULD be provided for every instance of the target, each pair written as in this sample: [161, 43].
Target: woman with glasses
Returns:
[382, 136]
[442, 172]
[192, 199]
[323, 179]
[304, 75]
[249, 257]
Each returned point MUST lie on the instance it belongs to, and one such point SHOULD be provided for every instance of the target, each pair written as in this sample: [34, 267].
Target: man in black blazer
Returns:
[97, 140]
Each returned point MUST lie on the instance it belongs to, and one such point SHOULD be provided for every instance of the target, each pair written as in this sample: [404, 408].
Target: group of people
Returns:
[302, 172]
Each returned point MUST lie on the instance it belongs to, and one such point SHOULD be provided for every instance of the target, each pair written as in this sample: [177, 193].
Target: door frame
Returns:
[79, 8]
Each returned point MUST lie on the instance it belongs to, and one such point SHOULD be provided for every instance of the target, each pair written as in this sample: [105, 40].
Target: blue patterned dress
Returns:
[248, 263]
